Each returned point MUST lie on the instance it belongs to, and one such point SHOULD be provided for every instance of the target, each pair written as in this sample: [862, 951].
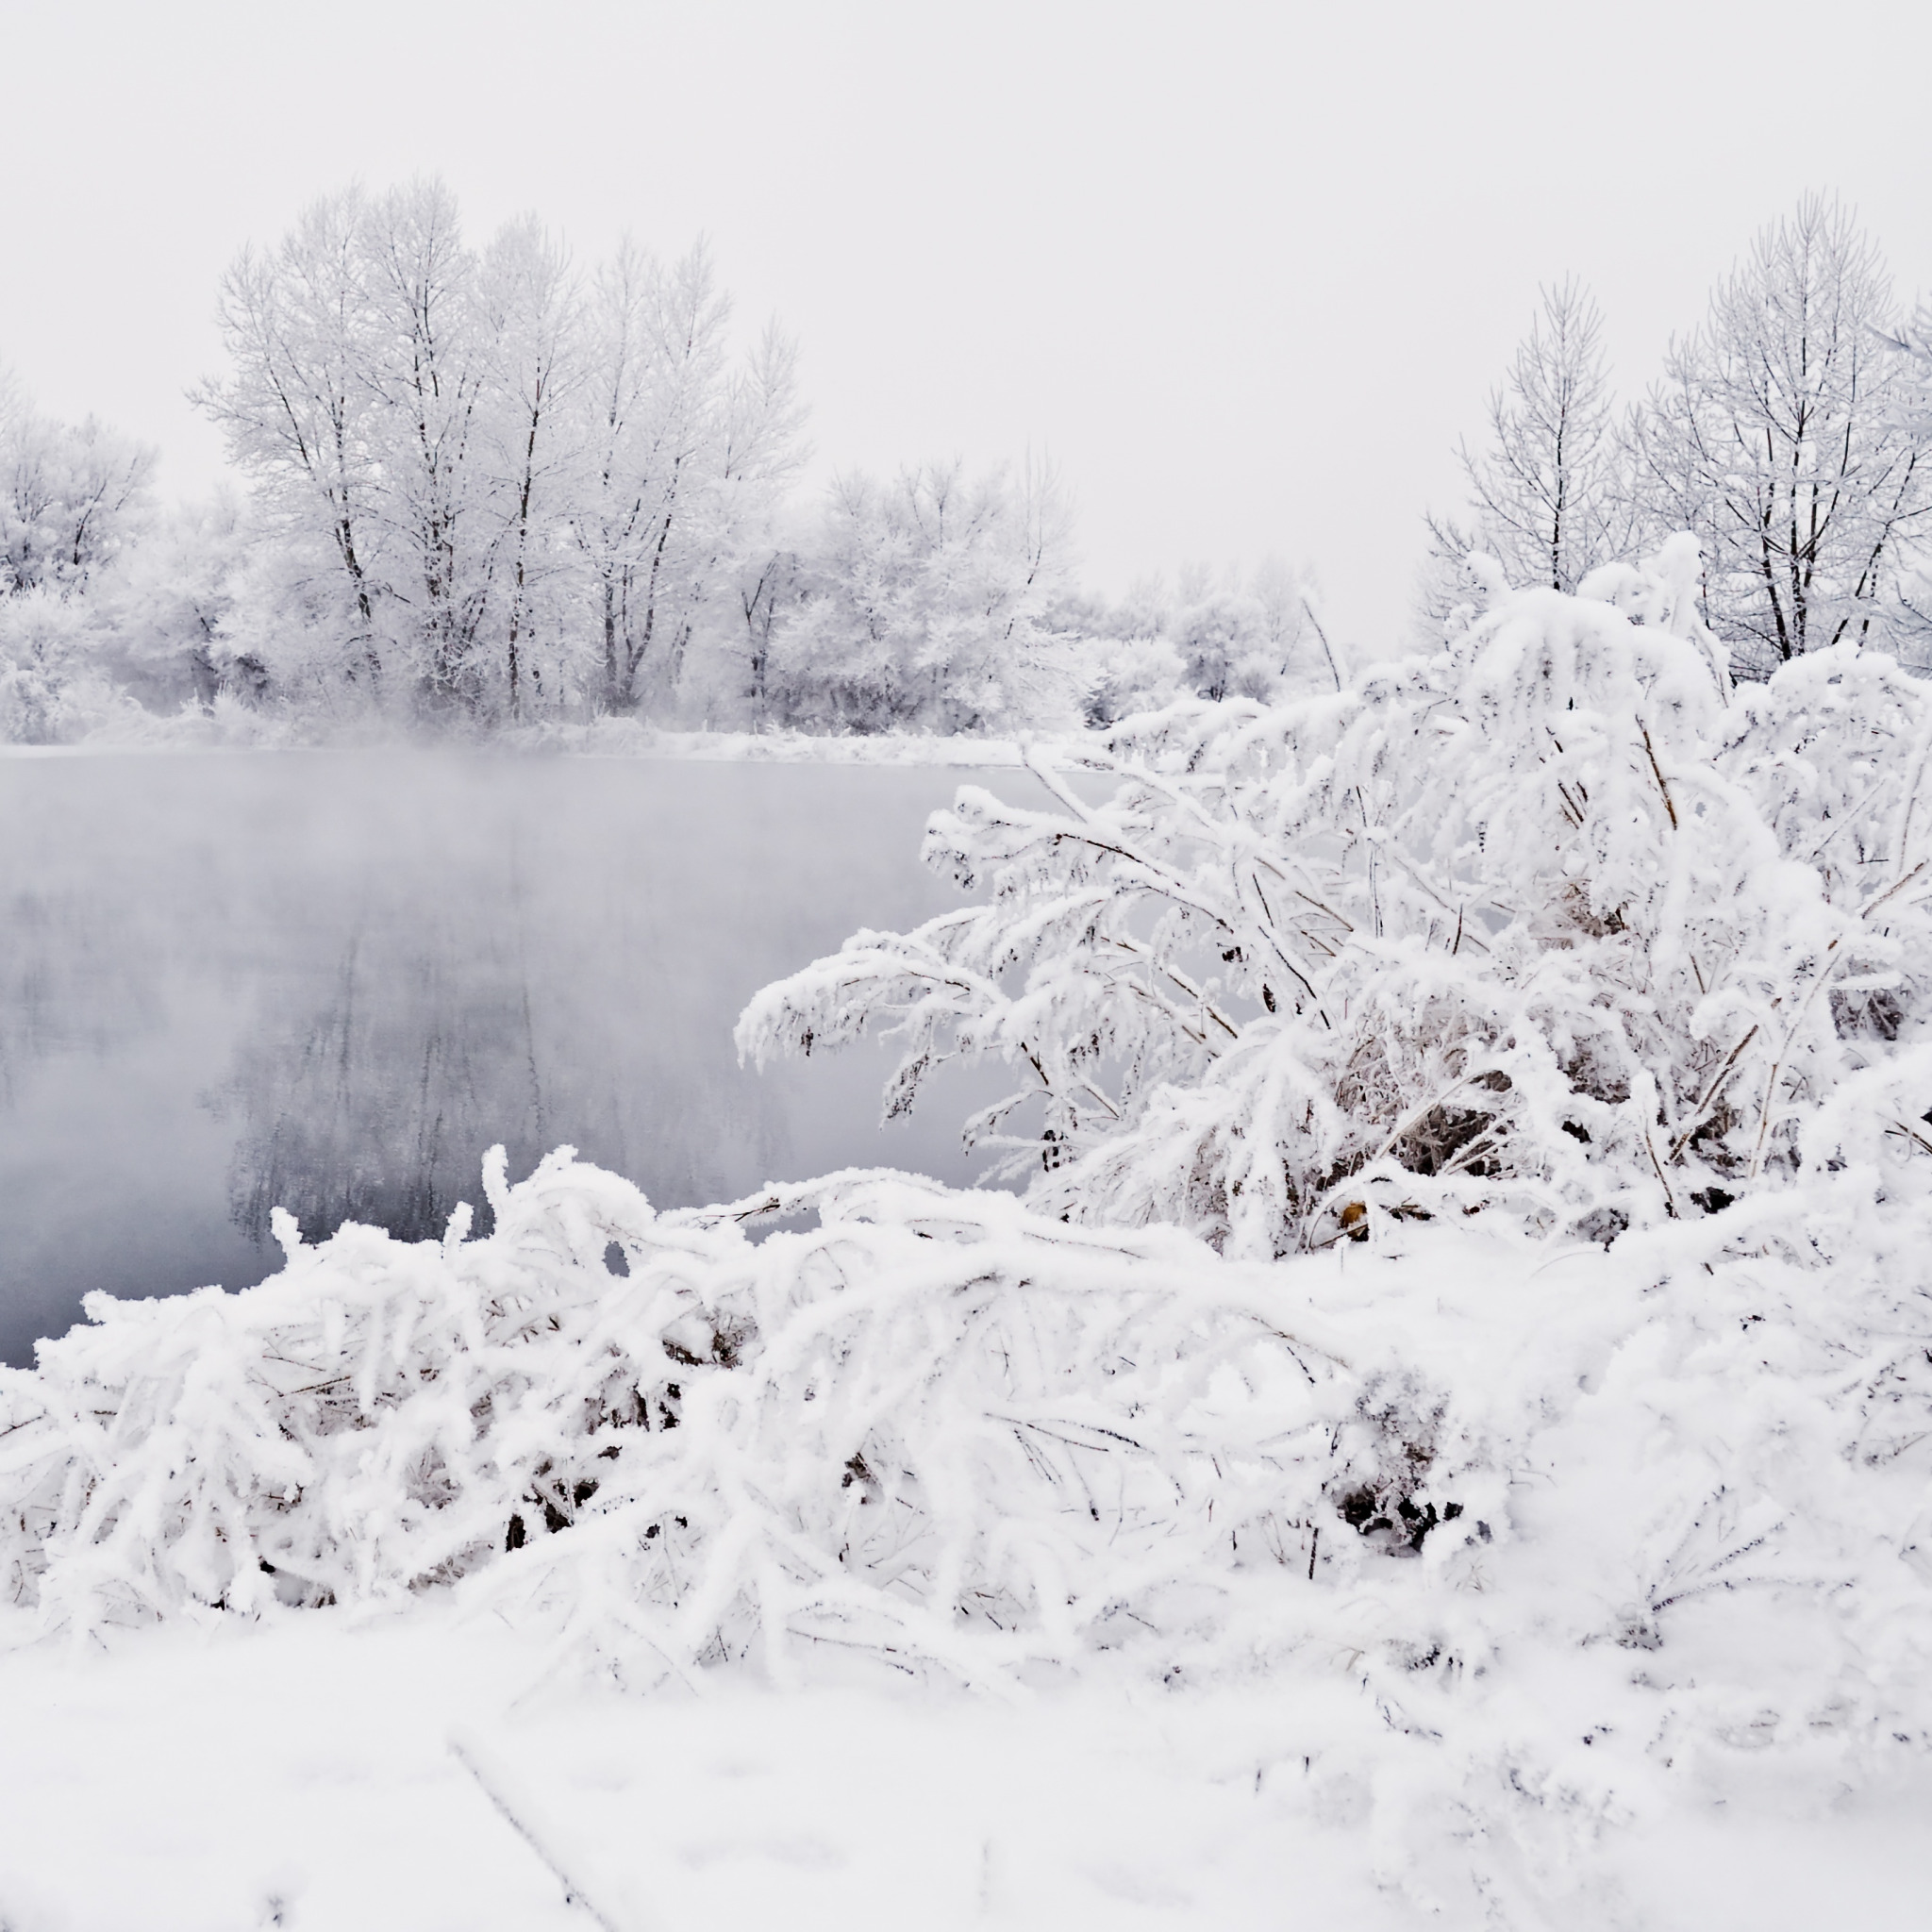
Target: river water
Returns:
[328, 981]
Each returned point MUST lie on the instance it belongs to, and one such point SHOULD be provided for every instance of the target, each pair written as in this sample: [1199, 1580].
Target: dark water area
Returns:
[329, 981]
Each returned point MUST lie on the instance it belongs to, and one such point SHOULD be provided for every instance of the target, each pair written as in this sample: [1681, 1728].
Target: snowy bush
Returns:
[1575, 1533]
[934, 1423]
[927, 605]
[1544, 923]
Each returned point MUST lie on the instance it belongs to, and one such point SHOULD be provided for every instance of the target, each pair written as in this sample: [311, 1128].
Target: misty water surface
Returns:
[328, 981]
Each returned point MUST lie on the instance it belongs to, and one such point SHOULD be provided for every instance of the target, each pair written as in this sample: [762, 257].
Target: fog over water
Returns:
[328, 981]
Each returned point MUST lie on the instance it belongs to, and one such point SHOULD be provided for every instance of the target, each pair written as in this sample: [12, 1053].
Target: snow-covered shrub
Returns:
[933, 1424]
[72, 497]
[225, 721]
[1546, 1539]
[1833, 750]
[1537, 924]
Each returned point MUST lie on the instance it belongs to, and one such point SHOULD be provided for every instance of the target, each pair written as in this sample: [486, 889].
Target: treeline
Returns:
[486, 490]
[1791, 431]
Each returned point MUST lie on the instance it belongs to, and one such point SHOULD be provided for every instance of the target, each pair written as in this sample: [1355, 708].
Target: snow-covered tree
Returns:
[166, 604]
[749, 526]
[496, 488]
[1545, 494]
[427, 364]
[769, 582]
[1125, 674]
[929, 605]
[1298, 639]
[74, 501]
[1780, 435]
[1229, 632]
[681, 449]
[297, 413]
[52, 686]
[1222, 640]
[657, 359]
[1911, 628]
[71, 497]
[531, 320]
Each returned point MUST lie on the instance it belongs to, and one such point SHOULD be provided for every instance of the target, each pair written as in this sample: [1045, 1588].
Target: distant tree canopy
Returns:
[484, 488]
[507, 490]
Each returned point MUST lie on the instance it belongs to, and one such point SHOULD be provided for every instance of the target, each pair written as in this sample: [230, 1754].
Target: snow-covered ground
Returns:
[189, 1779]
[208, 1780]
[627, 738]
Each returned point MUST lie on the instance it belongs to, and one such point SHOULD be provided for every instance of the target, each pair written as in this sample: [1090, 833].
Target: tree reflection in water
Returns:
[373, 1111]
[329, 981]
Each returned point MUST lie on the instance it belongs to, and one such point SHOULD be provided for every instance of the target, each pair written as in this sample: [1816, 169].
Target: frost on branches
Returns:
[1554, 924]
[1536, 1032]
[1543, 1540]
[933, 1425]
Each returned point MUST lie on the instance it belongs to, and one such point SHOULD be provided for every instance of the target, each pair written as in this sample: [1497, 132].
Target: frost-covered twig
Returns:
[480, 1764]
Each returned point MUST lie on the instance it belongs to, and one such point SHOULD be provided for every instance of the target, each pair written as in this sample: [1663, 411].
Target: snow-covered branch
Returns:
[1542, 921]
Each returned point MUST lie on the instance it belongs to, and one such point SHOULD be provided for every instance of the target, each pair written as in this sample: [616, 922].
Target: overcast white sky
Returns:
[1245, 270]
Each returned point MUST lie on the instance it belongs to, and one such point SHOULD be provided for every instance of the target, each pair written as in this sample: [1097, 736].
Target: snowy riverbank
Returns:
[1465, 1337]
[1095, 1628]
[231, 726]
